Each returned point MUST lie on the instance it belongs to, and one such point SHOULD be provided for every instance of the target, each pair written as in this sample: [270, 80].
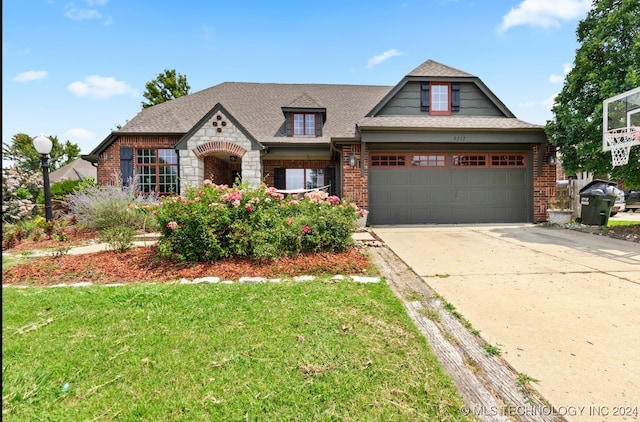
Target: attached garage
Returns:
[418, 187]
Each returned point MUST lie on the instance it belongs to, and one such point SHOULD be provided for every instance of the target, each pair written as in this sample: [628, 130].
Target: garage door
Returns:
[428, 188]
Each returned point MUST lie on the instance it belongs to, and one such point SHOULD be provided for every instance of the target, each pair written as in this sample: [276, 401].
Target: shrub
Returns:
[18, 193]
[102, 207]
[119, 238]
[216, 221]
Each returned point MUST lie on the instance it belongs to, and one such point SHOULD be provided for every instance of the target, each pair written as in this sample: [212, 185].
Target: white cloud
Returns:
[544, 13]
[383, 57]
[32, 75]
[76, 14]
[100, 87]
[557, 79]
[78, 134]
[87, 13]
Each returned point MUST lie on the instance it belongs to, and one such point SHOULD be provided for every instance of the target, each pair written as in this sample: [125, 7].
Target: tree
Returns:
[22, 152]
[607, 63]
[167, 86]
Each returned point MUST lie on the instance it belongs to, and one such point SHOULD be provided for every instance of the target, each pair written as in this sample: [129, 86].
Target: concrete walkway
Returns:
[562, 306]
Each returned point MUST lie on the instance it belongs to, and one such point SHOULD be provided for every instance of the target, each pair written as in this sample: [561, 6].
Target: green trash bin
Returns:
[596, 201]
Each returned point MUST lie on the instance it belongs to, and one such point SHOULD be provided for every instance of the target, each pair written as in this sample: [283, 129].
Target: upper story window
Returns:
[440, 98]
[304, 124]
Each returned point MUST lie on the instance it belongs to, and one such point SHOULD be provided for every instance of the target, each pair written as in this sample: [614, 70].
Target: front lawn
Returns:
[318, 350]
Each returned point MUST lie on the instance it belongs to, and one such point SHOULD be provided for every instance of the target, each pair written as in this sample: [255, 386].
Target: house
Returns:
[438, 147]
[78, 169]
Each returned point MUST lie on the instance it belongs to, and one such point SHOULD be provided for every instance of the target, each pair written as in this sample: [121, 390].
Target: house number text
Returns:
[459, 138]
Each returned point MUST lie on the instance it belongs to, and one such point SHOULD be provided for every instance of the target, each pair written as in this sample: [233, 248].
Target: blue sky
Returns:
[77, 68]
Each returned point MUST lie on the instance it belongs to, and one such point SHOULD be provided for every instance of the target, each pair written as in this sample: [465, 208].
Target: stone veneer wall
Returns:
[192, 169]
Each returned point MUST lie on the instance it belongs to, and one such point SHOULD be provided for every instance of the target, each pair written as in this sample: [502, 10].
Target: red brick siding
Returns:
[544, 184]
[355, 186]
[109, 160]
[218, 171]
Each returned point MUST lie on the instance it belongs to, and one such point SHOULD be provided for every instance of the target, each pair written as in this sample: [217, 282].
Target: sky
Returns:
[76, 69]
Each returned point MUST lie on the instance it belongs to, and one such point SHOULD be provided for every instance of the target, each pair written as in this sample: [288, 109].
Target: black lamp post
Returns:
[43, 145]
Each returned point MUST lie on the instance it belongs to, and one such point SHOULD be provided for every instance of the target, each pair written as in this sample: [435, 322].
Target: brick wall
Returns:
[109, 160]
[218, 171]
[544, 185]
[354, 185]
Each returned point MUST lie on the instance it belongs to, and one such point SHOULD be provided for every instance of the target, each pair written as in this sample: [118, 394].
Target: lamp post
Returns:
[43, 145]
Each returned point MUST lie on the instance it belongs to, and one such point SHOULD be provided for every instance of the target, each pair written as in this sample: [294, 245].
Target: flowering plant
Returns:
[212, 221]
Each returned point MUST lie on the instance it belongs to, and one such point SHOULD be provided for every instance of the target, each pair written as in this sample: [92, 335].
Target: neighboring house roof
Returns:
[259, 107]
[75, 170]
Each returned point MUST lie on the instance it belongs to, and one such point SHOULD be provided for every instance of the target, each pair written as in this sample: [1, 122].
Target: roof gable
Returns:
[433, 71]
[182, 143]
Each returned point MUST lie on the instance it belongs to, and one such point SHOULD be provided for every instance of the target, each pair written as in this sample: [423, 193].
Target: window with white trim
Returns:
[439, 94]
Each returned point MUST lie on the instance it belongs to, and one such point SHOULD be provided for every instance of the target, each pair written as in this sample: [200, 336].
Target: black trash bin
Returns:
[596, 200]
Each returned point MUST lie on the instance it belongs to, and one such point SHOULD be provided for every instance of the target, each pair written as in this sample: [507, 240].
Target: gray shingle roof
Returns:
[445, 122]
[258, 106]
[432, 68]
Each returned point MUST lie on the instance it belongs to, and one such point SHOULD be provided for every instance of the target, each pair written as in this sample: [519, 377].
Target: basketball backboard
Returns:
[620, 112]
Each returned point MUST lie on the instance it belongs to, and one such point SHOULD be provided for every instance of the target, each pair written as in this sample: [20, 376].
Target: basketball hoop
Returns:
[620, 141]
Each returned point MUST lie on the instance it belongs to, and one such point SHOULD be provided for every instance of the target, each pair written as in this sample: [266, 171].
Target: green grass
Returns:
[276, 351]
[613, 223]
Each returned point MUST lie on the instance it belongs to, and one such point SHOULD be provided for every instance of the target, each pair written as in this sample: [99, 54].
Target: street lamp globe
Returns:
[42, 144]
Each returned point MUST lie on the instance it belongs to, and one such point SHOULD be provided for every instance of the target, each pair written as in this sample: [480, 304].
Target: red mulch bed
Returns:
[141, 264]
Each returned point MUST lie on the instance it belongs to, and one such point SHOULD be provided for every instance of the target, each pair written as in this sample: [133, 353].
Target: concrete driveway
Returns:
[562, 306]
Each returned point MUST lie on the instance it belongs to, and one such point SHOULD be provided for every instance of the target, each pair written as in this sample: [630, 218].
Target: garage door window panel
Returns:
[429, 160]
[469, 160]
[508, 160]
[388, 160]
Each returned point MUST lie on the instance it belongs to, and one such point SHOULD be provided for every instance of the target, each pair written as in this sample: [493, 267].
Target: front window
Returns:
[157, 171]
[304, 124]
[305, 179]
[440, 99]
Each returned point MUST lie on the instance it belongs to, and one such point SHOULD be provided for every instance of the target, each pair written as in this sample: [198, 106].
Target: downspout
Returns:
[363, 145]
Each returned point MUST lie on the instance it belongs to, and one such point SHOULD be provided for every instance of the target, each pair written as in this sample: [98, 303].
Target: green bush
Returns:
[119, 238]
[212, 222]
[60, 190]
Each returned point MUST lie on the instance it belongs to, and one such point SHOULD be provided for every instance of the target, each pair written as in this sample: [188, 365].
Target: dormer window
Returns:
[440, 98]
[304, 124]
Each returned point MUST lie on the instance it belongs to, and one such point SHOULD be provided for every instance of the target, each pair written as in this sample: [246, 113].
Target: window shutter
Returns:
[126, 165]
[330, 177]
[424, 96]
[279, 181]
[455, 97]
